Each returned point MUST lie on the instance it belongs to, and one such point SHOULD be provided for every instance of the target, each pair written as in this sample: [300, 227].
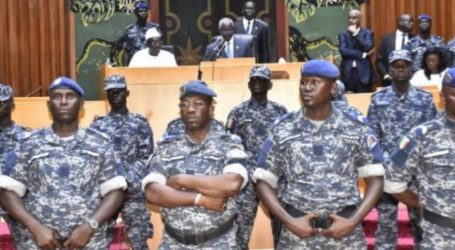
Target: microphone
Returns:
[219, 47]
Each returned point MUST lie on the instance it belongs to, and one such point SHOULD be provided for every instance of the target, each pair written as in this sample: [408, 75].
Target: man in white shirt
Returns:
[153, 55]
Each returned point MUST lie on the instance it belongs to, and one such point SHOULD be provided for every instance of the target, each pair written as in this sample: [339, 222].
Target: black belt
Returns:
[196, 239]
[323, 221]
[438, 219]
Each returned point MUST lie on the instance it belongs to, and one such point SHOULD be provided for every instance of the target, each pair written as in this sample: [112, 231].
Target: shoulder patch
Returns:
[423, 129]
[103, 135]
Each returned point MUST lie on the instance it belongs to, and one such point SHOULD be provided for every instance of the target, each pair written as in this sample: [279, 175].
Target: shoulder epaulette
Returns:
[281, 119]
[381, 91]
[231, 137]
[168, 137]
[32, 133]
[421, 130]
[103, 135]
[355, 115]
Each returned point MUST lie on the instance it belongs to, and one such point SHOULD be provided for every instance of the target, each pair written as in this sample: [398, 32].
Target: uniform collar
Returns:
[252, 103]
[53, 138]
[332, 122]
[409, 94]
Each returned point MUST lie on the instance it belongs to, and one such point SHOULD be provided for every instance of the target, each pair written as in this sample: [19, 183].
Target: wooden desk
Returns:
[211, 72]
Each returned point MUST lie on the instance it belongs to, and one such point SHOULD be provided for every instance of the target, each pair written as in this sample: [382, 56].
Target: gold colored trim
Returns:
[169, 33]
[201, 16]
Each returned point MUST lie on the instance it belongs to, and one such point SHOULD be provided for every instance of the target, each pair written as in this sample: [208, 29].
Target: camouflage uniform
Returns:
[10, 138]
[177, 154]
[321, 165]
[427, 152]
[451, 47]
[132, 139]
[134, 39]
[392, 115]
[62, 182]
[417, 47]
[251, 121]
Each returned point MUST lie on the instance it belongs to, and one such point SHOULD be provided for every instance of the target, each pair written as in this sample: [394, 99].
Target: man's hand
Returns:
[45, 237]
[339, 228]
[371, 52]
[301, 226]
[214, 204]
[79, 237]
[352, 28]
[387, 79]
[173, 182]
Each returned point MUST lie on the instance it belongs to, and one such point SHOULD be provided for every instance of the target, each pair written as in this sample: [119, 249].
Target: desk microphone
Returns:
[221, 48]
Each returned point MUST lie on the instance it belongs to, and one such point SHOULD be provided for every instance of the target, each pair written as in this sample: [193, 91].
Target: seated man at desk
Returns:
[153, 55]
[228, 44]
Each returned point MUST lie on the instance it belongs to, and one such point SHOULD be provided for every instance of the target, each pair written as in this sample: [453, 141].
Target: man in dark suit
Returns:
[228, 44]
[248, 24]
[390, 42]
[356, 45]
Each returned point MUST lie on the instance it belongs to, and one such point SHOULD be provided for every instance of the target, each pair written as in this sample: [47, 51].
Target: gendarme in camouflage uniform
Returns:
[391, 115]
[11, 135]
[417, 45]
[427, 152]
[219, 153]
[251, 120]
[132, 138]
[62, 182]
[62, 176]
[321, 167]
[178, 155]
[321, 162]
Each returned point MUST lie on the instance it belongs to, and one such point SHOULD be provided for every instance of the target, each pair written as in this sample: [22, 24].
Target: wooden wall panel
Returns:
[381, 15]
[34, 45]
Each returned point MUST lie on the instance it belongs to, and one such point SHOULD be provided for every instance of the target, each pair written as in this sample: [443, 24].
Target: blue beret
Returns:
[400, 55]
[260, 71]
[196, 87]
[140, 5]
[65, 82]
[449, 78]
[114, 82]
[321, 68]
[6, 92]
[424, 17]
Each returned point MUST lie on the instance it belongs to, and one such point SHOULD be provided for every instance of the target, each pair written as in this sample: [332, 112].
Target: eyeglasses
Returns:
[195, 105]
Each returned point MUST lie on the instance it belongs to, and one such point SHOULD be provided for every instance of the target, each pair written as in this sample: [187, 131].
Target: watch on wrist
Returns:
[92, 223]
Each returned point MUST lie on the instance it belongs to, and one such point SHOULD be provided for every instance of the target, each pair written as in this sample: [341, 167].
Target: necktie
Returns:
[403, 40]
[248, 27]
[228, 50]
